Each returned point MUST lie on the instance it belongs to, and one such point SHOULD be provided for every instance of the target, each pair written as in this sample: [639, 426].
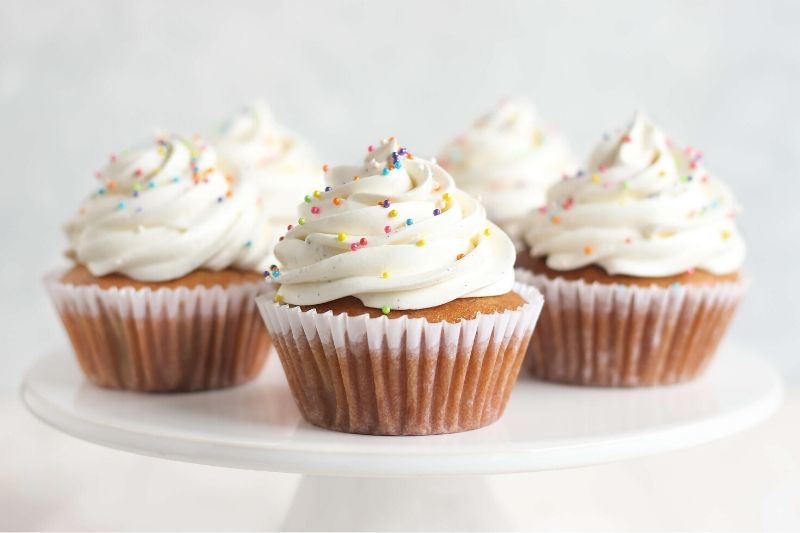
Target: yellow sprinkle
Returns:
[279, 298]
[725, 234]
[341, 236]
[487, 232]
[393, 213]
[662, 173]
[385, 275]
[421, 242]
[446, 197]
[596, 178]
[317, 194]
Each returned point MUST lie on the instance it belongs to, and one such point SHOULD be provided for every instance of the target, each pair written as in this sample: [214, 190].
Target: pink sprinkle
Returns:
[363, 241]
[97, 174]
[628, 240]
[138, 172]
[602, 168]
[113, 157]
[693, 165]
[354, 247]
[387, 229]
[690, 271]
[370, 148]
[543, 210]
[626, 139]
[315, 210]
[568, 203]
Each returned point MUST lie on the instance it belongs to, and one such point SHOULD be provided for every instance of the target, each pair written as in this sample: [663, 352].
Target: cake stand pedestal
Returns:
[389, 479]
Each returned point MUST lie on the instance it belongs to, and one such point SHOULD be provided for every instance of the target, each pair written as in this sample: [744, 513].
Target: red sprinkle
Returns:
[363, 241]
[387, 229]
[315, 210]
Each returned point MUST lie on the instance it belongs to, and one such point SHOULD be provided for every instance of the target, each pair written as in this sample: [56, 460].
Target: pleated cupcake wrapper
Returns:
[165, 340]
[621, 335]
[401, 376]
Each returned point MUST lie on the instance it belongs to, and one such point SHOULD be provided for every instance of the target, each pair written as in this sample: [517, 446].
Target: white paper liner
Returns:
[164, 340]
[627, 335]
[401, 376]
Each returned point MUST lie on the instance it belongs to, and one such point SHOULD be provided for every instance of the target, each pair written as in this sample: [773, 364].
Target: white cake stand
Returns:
[546, 426]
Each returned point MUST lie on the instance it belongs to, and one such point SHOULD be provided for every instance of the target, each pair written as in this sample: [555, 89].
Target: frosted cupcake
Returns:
[508, 159]
[282, 165]
[639, 260]
[397, 312]
[168, 253]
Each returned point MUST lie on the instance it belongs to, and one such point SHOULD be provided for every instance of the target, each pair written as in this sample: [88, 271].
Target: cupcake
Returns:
[508, 159]
[397, 311]
[639, 260]
[253, 145]
[167, 255]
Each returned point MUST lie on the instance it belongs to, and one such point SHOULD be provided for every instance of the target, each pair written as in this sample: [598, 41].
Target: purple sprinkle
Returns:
[437, 212]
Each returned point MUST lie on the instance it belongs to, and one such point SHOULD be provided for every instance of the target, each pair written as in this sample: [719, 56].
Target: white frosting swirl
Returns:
[283, 166]
[643, 207]
[508, 159]
[429, 245]
[166, 210]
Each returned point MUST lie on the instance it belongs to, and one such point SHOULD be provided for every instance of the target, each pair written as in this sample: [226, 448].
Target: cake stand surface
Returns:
[546, 426]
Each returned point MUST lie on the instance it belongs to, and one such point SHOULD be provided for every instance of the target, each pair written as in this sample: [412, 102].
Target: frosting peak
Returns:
[507, 159]
[166, 210]
[395, 233]
[643, 207]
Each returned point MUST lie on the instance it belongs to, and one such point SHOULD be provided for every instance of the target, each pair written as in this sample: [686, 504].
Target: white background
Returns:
[80, 80]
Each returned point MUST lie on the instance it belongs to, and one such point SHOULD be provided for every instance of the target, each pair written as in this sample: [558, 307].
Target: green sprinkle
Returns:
[385, 309]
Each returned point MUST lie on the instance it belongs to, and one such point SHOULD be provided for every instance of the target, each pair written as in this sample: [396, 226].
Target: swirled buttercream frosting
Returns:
[165, 210]
[643, 206]
[254, 145]
[395, 233]
[508, 159]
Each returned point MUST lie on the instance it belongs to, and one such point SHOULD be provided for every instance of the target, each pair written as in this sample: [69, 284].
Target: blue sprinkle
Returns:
[248, 244]
[121, 205]
[385, 171]
[176, 179]
[409, 222]
[328, 188]
[397, 164]
[101, 190]
[136, 194]
[675, 286]
[151, 184]
[276, 273]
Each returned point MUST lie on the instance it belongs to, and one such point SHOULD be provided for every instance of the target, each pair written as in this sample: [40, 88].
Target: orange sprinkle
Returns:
[337, 200]
[110, 184]
[588, 250]
[229, 178]
[229, 194]
[409, 156]
[555, 219]
[459, 257]
[356, 178]
[325, 167]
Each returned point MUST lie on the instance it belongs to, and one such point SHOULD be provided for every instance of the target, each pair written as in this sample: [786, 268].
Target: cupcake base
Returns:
[200, 334]
[628, 335]
[402, 376]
